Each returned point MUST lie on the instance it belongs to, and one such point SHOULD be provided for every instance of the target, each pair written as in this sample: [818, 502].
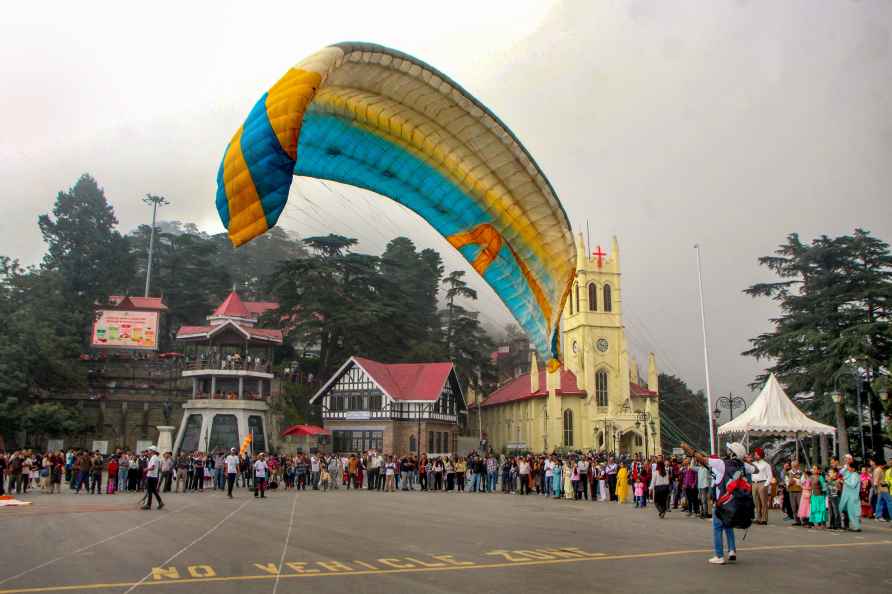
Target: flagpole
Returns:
[705, 353]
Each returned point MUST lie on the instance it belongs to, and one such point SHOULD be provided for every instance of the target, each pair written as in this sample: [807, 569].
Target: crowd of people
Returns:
[835, 497]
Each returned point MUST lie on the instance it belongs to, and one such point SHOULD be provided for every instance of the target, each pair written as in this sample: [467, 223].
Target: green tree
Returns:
[834, 296]
[468, 344]
[683, 414]
[250, 265]
[186, 270]
[52, 419]
[40, 334]
[85, 248]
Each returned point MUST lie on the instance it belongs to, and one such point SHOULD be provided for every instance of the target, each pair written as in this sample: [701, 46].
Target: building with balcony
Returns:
[230, 365]
[393, 408]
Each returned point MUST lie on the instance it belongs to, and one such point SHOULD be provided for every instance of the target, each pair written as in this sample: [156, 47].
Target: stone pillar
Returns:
[194, 387]
[241, 387]
[213, 386]
[165, 438]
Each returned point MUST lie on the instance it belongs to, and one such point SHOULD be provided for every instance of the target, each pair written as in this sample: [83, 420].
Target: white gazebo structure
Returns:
[773, 414]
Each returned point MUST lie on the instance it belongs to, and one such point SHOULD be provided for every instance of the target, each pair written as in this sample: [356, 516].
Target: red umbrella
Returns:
[307, 430]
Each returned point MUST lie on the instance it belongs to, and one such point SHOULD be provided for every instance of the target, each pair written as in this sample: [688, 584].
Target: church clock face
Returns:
[602, 345]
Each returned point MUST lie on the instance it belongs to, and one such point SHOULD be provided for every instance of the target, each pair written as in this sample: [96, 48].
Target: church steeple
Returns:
[581, 258]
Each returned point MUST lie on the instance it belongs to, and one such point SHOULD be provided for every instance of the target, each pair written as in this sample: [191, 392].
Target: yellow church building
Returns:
[596, 400]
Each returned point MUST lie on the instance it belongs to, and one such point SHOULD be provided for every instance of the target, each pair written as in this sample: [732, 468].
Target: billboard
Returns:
[125, 329]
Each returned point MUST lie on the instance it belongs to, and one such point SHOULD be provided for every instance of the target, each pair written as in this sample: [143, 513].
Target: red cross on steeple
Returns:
[600, 255]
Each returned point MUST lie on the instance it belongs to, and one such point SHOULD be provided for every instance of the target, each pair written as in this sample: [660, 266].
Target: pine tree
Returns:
[834, 296]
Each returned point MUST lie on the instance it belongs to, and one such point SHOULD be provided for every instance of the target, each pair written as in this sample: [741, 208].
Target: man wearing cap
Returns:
[261, 472]
[761, 484]
[732, 466]
[153, 471]
[231, 463]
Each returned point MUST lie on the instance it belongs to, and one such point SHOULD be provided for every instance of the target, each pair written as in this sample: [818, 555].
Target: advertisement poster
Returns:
[126, 329]
[54, 445]
[100, 446]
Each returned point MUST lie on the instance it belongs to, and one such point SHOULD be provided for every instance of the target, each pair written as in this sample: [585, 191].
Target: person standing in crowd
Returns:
[261, 472]
[689, 484]
[123, 470]
[315, 468]
[793, 484]
[167, 465]
[850, 502]
[723, 472]
[219, 471]
[659, 486]
[818, 504]
[834, 488]
[611, 470]
[231, 466]
[153, 471]
[85, 467]
[112, 480]
[762, 480]
[882, 477]
[182, 470]
[622, 484]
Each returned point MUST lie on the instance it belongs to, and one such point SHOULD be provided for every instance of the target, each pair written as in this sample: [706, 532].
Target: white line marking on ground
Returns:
[287, 540]
[95, 544]
[189, 546]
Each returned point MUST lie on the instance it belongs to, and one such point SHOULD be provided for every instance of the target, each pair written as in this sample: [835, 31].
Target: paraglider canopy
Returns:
[376, 118]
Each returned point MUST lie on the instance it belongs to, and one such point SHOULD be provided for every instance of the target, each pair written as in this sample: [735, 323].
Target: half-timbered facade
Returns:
[392, 408]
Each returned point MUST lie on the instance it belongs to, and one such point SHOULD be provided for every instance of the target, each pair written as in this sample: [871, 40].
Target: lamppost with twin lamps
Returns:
[646, 418]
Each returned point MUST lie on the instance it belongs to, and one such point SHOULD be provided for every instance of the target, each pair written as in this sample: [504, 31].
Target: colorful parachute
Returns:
[372, 117]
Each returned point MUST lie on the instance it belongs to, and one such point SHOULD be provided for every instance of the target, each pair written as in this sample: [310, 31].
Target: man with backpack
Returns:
[734, 507]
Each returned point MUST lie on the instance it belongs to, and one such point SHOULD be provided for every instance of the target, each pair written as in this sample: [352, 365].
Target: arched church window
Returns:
[568, 427]
[577, 299]
[592, 297]
[601, 388]
[571, 304]
[608, 299]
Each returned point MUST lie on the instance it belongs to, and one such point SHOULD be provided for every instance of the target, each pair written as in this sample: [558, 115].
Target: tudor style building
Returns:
[392, 408]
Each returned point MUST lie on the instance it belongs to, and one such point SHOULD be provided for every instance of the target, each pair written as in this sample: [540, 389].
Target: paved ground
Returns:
[410, 542]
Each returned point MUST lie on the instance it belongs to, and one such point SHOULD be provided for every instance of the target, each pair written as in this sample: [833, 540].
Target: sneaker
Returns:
[717, 561]
[732, 556]
[160, 505]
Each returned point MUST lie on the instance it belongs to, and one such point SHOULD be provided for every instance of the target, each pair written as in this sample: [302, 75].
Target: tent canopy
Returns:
[773, 413]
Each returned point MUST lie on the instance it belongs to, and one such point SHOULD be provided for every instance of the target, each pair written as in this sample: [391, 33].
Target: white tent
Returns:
[773, 413]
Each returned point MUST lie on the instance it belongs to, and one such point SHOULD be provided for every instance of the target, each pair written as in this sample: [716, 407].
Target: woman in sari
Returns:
[805, 501]
[556, 478]
[622, 484]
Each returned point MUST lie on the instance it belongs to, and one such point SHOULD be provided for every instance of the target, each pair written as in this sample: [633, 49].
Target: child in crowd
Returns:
[639, 492]
[325, 478]
[834, 488]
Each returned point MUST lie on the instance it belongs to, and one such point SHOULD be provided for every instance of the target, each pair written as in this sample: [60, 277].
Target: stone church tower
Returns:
[597, 400]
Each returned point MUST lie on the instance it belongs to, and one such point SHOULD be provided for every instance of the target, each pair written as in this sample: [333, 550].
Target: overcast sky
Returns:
[665, 123]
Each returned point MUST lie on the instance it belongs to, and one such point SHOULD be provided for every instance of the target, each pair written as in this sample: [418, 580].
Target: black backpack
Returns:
[735, 508]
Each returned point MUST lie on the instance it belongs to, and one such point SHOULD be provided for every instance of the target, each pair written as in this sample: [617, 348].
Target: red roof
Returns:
[408, 381]
[305, 430]
[154, 303]
[266, 334]
[232, 307]
[258, 308]
[519, 389]
[641, 391]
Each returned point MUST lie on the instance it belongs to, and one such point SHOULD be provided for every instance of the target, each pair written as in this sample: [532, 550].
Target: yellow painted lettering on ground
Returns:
[534, 554]
[300, 567]
[201, 571]
[366, 565]
[569, 553]
[425, 563]
[451, 560]
[334, 566]
[395, 563]
[270, 568]
[508, 555]
[160, 573]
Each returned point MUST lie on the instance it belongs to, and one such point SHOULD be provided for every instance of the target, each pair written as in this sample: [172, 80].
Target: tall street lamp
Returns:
[644, 417]
[730, 402]
[155, 201]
